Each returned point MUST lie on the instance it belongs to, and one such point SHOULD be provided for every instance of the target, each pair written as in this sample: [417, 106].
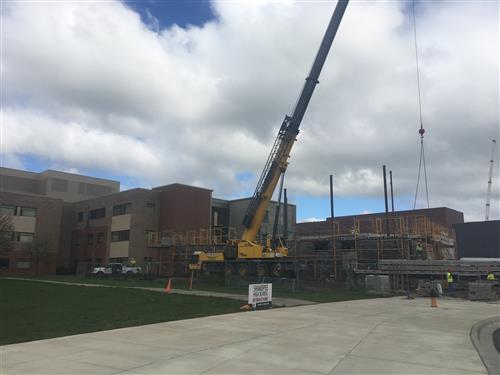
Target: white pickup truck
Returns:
[116, 269]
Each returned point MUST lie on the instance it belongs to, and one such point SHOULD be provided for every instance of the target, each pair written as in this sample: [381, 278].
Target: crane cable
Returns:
[421, 131]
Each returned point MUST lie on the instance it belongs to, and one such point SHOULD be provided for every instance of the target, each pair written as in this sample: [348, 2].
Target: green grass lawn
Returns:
[329, 294]
[33, 310]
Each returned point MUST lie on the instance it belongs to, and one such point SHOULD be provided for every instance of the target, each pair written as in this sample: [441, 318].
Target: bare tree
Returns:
[6, 234]
[40, 250]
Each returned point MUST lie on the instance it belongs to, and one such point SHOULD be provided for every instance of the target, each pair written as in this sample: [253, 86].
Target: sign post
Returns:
[260, 295]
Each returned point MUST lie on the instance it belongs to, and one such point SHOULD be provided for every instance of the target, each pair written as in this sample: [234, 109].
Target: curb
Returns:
[481, 335]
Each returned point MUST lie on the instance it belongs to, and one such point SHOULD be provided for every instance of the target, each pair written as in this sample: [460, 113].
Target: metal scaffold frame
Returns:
[361, 244]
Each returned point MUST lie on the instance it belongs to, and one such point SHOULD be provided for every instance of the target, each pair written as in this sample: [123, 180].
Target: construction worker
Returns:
[451, 284]
[419, 250]
[490, 276]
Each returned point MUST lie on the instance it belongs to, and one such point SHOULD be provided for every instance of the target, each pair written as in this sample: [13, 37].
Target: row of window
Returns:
[17, 236]
[116, 236]
[119, 209]
[120, 235]
[17, 211]
[99, 239]
[21, 264]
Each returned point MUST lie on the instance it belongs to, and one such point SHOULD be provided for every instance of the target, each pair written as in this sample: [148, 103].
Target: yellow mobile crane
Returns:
[245, 255]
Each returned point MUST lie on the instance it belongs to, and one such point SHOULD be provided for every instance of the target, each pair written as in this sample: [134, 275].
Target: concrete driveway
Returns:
[392, 335]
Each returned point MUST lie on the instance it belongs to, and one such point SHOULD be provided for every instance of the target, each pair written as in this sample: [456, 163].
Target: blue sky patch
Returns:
[158, 14]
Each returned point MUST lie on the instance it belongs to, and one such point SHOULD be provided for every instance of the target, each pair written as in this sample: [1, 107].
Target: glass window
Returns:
[149, 234]
[80, 216]
[8, 235]
[4, 263]
[150, 208]
[59, 184]
[7, 210]
[23, 264]
[25, 237]
[120, 235]
[76, 239]
[100, 238]
[28, 211]
[97, 213]
[121, 209]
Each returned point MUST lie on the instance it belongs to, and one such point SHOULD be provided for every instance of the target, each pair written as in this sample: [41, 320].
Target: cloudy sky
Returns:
[154, 92]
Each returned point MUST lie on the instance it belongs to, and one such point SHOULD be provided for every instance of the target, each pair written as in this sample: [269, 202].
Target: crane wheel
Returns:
[277, 270]
[261, 270]
[243, 270]
[229, 270]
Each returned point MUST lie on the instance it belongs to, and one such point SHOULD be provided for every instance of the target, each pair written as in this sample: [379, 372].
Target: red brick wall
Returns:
[82, 250]
[184, 208]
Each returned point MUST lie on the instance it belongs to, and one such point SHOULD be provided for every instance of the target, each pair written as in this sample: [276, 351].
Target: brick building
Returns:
[87, 220]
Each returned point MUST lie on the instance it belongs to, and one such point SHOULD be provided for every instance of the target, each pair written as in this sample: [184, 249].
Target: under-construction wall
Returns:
[343, 247]
[359, 243]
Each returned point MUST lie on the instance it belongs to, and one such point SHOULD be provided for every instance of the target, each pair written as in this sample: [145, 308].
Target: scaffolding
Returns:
[361, 243]
[175, 249]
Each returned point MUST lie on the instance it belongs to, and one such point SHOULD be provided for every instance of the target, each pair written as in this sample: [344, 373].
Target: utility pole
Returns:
[333, 229]
[392, 194]
[386, 202]
[490, 177]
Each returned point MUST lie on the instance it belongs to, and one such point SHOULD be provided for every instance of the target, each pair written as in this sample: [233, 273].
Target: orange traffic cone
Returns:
[168, 287]
[434, 294]
[434, 302]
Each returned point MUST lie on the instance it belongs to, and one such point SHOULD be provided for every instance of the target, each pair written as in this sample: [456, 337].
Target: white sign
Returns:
[260, 294]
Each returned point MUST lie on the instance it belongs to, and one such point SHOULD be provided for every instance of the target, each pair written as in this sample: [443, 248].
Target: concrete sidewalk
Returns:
[392, 335]
[278, 302]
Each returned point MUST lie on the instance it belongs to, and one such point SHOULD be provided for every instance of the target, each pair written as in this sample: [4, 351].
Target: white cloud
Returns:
[311, 220]
[88, 85]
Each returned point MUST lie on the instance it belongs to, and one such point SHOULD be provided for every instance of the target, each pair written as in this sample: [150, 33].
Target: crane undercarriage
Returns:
[243, 258]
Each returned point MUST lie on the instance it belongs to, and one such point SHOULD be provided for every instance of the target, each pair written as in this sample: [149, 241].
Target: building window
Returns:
[90, 239]
[4, 263]
[120, 235]
[25, 237]
[81, 188]
[80, 217]
[28, 211]
[76, 239]
[100, 238]
[149, 235]
[266, 217]
[150, 208]
[148, 259]
[121, 209]
[7, 210]
[59, 184]
[23, 264]
[10, 236]
[97, 213]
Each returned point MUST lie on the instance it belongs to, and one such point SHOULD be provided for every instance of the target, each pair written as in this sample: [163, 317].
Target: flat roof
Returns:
[179, 184]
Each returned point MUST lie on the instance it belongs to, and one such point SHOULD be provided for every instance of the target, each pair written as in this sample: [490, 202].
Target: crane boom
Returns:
[277, 161]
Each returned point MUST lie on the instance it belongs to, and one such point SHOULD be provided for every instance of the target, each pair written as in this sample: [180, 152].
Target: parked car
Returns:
[116, 269]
